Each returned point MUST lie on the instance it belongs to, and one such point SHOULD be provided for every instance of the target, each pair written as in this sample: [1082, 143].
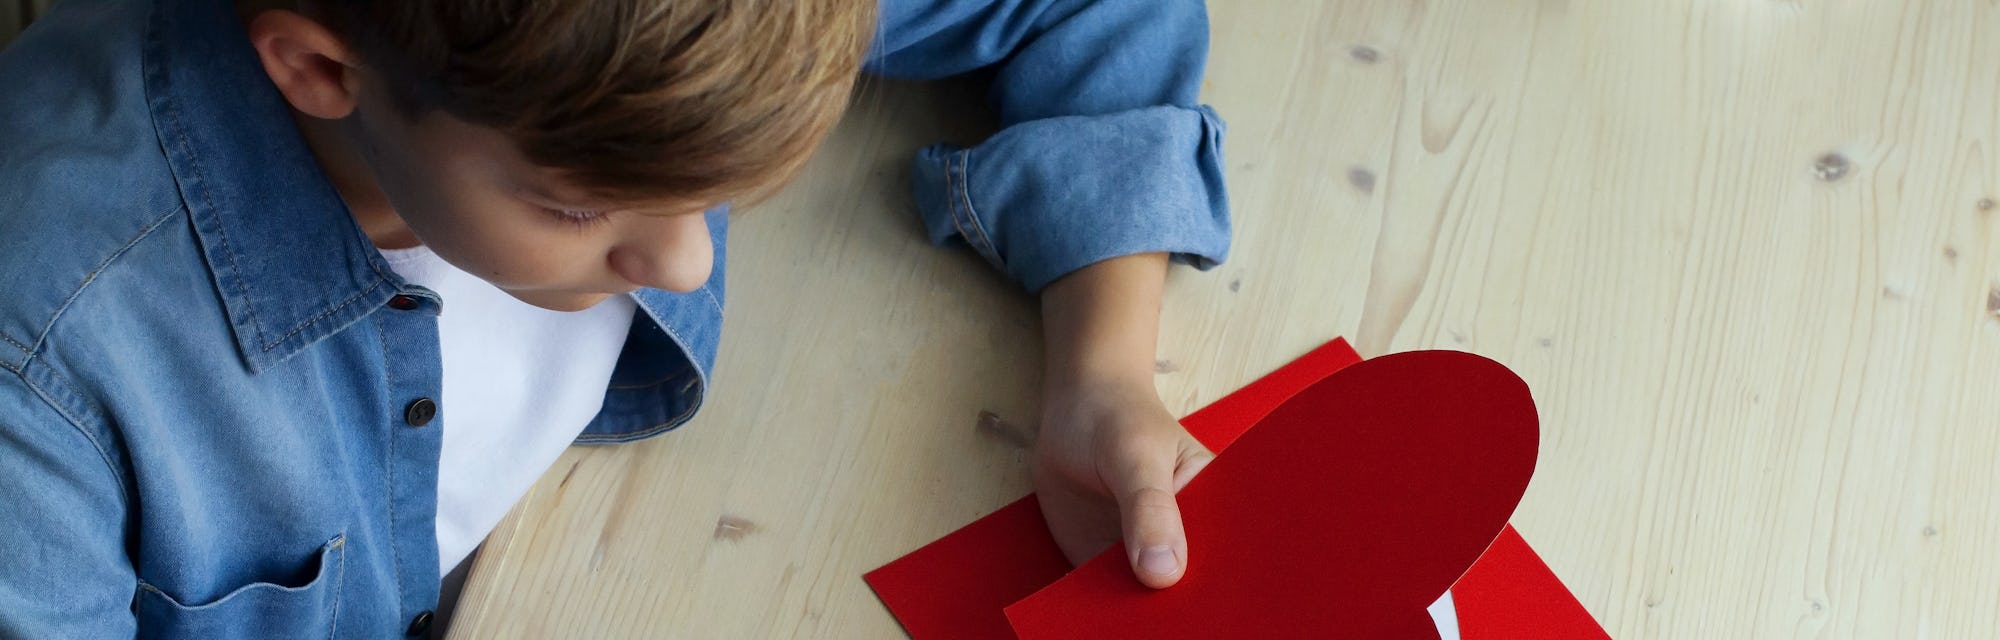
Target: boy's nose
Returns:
[677, 257]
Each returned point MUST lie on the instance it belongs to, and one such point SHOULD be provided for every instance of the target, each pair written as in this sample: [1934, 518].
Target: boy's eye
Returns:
[578, 217]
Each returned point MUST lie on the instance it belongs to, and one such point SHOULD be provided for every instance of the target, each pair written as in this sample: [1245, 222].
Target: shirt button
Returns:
[420, 625]
[421, 412]
[403, 303]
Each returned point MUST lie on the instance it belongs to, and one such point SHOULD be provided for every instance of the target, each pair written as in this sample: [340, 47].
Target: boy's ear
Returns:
[311, 66]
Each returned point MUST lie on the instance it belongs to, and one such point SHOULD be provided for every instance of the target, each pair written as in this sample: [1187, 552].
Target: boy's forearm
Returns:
[1102, 323]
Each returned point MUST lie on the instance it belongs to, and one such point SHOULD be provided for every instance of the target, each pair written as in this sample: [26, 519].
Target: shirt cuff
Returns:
[1047, 197]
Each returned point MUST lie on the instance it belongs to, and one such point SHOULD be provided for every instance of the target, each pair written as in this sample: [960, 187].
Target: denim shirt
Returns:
[217, 417]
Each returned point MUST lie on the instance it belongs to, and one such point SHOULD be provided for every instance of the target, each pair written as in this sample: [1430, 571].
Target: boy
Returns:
[300, 298]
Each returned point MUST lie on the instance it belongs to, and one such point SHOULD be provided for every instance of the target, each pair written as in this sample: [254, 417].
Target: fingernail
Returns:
[1158, 561]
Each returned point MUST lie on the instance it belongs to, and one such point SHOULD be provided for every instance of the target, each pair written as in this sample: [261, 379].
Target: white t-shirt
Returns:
[520, 382]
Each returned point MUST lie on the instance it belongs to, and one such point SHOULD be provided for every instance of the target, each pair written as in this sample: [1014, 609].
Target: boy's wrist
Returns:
[1101, 326]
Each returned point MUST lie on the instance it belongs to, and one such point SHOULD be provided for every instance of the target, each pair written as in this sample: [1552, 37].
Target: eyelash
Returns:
[581, 219]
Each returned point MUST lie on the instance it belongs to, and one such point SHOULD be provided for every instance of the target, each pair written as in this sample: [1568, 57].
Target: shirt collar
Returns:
[289, 262]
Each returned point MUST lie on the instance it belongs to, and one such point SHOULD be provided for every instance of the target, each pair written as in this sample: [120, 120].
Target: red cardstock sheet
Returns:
[1509, 594]
[956, 588]
[1346, 511]
[959, 586]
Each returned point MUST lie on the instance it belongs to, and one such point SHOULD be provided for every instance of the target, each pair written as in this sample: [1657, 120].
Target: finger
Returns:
[1194, 458]
[1155, 544]
[1081, 525]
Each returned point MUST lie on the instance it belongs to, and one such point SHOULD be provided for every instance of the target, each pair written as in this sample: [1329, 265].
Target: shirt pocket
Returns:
[254, 610]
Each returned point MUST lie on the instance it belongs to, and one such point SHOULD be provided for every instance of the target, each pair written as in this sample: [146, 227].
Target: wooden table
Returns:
[1744, 251]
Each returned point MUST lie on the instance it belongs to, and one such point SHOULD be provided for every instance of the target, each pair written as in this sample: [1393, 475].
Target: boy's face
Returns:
[468, 194]
[466, 191]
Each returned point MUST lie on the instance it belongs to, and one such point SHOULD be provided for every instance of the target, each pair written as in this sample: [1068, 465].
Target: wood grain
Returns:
[1744, 252]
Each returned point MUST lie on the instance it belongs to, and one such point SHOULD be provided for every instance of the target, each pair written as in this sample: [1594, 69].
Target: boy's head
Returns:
[562, 150]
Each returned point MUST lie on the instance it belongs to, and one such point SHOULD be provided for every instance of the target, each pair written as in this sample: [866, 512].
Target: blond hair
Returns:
[693, 100]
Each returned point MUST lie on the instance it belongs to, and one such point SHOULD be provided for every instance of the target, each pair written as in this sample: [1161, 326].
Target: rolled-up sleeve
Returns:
[1103, 151]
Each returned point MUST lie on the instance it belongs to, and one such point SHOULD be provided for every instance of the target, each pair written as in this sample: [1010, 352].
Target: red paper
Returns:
[1509, 595]
[956, 588]
[1218, 425]
[1347, 511]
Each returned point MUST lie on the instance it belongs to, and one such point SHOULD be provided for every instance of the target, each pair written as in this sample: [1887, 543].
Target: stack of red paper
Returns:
[1361, 498]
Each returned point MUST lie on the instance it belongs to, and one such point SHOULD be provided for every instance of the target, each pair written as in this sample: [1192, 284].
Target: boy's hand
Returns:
[1110, 456]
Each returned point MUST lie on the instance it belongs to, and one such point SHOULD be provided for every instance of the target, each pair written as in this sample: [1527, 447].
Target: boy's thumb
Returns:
[1155, 544]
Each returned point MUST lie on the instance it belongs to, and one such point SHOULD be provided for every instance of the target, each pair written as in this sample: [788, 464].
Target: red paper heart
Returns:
[1417, 461]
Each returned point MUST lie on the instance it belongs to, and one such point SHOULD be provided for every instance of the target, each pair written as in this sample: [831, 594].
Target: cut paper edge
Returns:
[1458, 435]
[1510, 594]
